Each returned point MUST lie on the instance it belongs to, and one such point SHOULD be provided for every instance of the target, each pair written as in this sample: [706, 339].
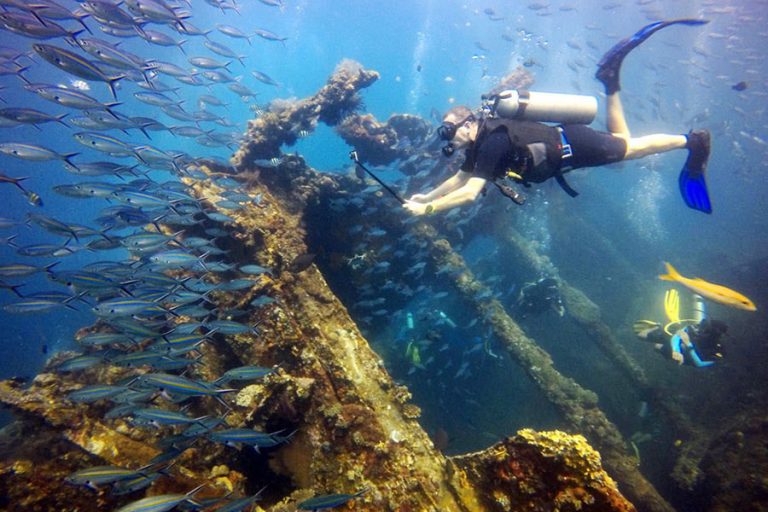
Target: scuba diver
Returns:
[539, 297]
[527, 151]
[694, 342]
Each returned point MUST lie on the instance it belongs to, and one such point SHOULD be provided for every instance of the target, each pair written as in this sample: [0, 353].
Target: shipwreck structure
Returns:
[353, 426]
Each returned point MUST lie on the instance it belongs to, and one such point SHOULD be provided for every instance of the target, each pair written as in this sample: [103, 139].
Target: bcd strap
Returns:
[564, 185]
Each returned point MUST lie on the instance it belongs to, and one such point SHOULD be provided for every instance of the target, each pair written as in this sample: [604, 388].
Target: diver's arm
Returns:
[449, 185]
[695, 359]
[464, 194]
[674, 346]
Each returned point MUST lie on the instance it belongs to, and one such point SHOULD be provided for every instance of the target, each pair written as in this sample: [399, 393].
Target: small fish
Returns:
[269, 36]
[127, 307]
[329, 500]
[70, 98]
[95, 393]
[740, 86]
[230, 31]
[264, 78]
[241, 90]
[243, 373]
[224, 51]
[34, 153]
[715, 292]
[31, 116]
[100, 475]
[34, 306]
[95, 339]
[140, 481]
[301, 262]
[23, 270]
[161, 39]
[75, 64]
[158, 416]
[229, 327]
[80, 362]
[239, 504]
[175, 384]
[248, 437]
[208, 63]
[33, 198]
[159, 503]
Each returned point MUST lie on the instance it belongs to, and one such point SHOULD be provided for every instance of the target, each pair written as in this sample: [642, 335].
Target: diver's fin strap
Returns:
[564, 184]
[566, 153]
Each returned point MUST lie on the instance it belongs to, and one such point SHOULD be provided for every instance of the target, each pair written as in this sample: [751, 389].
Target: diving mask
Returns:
[447, 131]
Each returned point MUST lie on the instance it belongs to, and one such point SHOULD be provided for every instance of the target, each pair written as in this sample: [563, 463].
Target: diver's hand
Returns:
[678, 357]
[415, 208]
[419, 198]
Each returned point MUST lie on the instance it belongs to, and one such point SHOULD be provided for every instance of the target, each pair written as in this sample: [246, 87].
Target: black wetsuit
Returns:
[539, 297]
[537, 151]
[702, 347]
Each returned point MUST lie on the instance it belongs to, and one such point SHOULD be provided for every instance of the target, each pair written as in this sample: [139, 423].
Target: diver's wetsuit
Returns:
[699, 344]
[536, 298]
[537, 151]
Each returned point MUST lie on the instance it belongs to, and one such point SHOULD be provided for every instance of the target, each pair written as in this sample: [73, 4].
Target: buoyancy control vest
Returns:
[525, 110]
[534, 155]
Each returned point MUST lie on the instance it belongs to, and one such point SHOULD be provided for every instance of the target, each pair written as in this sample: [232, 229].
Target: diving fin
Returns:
[672, 305]
[693, 186]
[609, 65]
[643, 328]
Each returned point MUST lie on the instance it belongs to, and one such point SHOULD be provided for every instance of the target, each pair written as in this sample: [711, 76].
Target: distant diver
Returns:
[539, 297]
[519, 147]
[694, 342]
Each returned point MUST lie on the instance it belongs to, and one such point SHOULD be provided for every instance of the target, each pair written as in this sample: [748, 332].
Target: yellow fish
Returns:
[715, 292]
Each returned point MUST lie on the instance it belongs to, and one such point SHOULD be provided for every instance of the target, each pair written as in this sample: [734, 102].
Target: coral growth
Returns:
[543, 471]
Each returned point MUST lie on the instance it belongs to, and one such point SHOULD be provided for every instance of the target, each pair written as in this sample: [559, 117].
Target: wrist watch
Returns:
[429, 209]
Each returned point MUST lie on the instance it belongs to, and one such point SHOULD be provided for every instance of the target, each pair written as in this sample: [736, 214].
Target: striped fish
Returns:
[329, 500]
[159, 503]
[76, 65]
[100, 475]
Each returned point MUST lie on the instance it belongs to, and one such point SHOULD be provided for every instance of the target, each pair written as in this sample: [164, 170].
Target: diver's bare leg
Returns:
[616, 122]
[638, 147]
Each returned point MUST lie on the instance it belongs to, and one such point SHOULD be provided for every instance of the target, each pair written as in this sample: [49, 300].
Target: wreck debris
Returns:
[351, 426]
[354, 425]
[587, 314]
[285, 119]
[551, 467]
[383, 143]
[577, 405]
[519, 78]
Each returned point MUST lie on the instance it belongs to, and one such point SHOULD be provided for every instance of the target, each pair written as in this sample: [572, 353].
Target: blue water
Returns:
[433, 55]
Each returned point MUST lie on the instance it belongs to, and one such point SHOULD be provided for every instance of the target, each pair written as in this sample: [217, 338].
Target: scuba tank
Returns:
[699, 309]
[409, 321]
[542, 106]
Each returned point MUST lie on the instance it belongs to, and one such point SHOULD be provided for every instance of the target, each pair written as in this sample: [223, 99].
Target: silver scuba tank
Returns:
[544, 106]
[699, 309]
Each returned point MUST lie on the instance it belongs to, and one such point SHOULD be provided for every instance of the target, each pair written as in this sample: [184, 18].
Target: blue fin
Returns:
[693, 188]
[623, 47]
[609, 65]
